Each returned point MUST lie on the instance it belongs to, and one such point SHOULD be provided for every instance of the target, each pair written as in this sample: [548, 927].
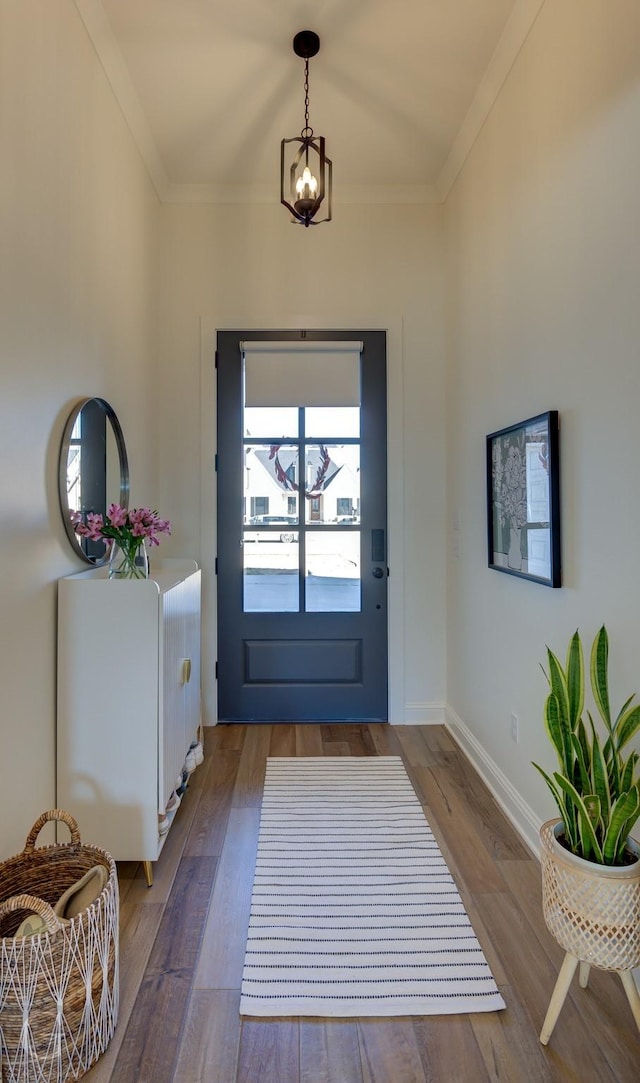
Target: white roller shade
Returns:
[301, 373]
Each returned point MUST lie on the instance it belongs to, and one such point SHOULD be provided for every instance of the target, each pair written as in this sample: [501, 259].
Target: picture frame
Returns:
[523, 499]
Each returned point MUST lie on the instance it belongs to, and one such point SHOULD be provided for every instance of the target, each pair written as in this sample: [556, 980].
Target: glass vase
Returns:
[131, 562]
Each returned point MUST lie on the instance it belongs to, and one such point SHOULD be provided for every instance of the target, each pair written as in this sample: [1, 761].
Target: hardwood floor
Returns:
[182, 942]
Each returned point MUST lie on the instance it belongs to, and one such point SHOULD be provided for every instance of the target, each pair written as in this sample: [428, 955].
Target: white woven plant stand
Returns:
[593, 912]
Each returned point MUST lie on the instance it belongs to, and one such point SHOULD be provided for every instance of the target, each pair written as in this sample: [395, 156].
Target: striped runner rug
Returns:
[354, 911]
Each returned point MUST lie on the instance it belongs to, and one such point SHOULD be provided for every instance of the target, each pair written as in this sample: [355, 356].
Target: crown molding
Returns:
[387, 193]
[347, 195]
[514, 35]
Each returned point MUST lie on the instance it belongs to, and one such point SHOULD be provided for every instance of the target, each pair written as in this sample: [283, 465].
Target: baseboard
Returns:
[422, 714]
[519, 814]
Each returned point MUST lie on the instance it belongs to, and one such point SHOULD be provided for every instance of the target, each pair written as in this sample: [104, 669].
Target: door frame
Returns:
[209, 327]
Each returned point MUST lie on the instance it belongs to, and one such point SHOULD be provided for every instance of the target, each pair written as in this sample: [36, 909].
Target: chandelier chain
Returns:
[307, 131]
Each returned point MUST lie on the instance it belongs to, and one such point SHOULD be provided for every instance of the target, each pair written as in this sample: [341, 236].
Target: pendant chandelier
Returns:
[305, 176]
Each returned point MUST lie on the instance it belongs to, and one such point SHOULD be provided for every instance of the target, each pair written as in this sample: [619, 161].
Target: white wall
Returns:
[77, 258]
[374, 266]
[542, 235]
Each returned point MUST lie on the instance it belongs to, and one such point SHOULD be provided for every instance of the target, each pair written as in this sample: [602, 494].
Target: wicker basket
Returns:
[593, 911]
[58, 989]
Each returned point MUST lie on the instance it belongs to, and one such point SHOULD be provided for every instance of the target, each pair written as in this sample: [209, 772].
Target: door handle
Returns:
[377, 573]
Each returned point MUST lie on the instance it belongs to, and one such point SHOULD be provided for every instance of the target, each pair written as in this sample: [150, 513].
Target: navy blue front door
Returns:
[302, 561]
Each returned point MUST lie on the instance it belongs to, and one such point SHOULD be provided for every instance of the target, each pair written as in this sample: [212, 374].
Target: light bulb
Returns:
[306, 185]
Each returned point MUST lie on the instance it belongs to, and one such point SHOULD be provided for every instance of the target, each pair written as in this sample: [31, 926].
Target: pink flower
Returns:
[93, 527]
[128, 528]
[117, 515]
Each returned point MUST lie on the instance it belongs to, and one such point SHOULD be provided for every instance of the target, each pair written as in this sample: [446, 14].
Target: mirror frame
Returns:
[112, 417]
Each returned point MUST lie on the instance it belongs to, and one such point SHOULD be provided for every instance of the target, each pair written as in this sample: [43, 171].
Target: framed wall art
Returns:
[523, 499]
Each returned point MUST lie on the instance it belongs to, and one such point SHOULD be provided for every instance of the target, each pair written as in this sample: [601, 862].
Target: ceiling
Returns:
[399, 89]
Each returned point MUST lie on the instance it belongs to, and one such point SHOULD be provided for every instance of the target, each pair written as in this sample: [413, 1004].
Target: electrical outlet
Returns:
[515, 728]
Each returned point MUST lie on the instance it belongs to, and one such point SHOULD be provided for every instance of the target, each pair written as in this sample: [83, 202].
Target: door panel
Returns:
[280, 661]
[302, 575]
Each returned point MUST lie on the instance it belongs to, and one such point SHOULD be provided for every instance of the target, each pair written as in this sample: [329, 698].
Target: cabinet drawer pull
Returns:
[186, 670]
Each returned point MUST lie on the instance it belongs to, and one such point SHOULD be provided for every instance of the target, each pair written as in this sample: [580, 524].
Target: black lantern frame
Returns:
[305, 210]
[310, 151]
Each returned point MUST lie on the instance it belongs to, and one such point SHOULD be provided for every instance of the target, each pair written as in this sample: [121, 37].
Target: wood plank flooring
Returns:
[182, 942]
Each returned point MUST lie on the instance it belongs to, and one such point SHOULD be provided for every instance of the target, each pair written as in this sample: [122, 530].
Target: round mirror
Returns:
[93, 471]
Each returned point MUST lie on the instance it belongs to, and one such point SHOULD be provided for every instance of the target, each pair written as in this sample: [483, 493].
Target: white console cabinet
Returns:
[128, 701]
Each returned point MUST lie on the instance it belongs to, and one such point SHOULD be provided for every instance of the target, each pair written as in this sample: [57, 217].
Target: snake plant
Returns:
[596, 789]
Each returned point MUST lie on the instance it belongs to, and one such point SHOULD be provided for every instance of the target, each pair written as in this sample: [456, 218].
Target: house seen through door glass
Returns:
[301, 490]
